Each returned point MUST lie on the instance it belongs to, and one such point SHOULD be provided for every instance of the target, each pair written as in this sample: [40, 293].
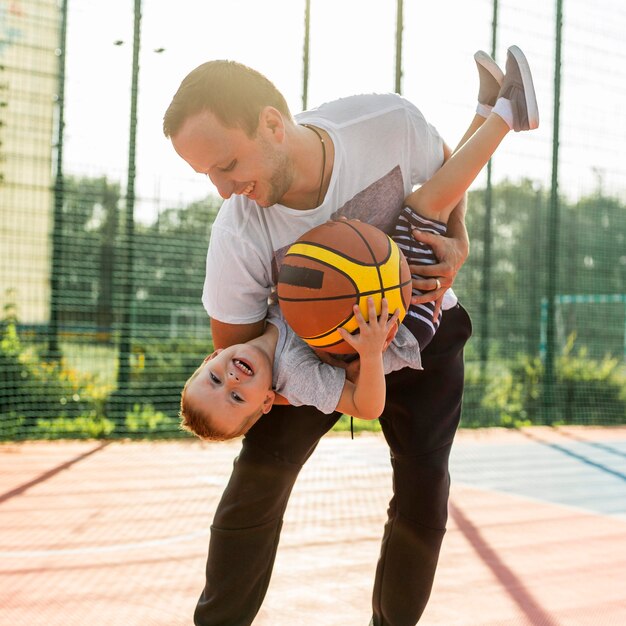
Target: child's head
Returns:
[228, 393]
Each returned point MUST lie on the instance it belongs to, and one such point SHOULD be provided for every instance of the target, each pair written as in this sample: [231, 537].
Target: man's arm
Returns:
[225, 335]
[451, 250]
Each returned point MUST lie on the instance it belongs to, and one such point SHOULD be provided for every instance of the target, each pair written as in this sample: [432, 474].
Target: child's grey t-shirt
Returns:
[301, 377]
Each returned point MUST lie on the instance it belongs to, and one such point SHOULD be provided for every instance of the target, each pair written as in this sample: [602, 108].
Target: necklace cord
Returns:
[319, 192]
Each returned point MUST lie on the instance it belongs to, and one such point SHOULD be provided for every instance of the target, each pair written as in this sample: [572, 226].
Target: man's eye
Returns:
[214, 378]
[236, 397]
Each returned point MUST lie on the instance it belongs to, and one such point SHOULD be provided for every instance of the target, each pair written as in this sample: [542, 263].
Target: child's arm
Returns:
[366, 397]
[438, 196]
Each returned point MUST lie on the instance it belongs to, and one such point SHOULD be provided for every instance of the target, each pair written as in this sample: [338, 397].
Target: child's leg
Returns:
[477, 122]
[420, 317]
[515, 109]
[437, 197]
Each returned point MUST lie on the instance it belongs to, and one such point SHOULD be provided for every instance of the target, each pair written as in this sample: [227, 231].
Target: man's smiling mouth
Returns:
[249, 189]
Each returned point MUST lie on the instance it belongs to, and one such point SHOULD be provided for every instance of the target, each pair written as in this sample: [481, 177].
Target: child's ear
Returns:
[268, 402]
[213, 354]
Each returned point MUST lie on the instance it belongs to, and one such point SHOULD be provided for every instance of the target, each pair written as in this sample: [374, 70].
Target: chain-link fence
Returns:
[103, 239]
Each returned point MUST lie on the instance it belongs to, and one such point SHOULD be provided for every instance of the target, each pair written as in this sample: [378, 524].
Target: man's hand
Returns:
[452, 253]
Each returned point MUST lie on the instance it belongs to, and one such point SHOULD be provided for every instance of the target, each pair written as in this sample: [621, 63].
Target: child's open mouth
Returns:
[243, 367]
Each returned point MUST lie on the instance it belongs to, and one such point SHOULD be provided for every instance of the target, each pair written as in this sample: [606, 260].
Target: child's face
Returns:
[234, 384]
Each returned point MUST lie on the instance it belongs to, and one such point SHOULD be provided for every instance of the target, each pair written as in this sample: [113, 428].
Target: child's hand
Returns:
[372, 337]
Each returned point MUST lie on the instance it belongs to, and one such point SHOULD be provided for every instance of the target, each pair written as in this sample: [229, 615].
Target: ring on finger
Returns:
[437, 283]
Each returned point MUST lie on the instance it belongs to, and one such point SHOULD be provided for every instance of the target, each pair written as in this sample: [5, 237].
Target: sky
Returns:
[352, 51]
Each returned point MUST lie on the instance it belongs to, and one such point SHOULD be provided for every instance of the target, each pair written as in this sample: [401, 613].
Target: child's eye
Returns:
[230, 167]
[214, 378]
[236, 397]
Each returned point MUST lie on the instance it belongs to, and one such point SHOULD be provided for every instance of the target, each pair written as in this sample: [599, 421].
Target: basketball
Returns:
[330, 269]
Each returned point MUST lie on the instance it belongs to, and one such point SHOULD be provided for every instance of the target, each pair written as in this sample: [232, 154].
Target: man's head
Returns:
[228, 393]
[228, 122]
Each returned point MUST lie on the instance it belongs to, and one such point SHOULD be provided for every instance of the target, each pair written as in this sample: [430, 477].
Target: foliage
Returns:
[343, 425]
[161, 368]
[81, 427]
[36, 393]
[586, 391]
[591, 242]
[144, 420]
[170, 329]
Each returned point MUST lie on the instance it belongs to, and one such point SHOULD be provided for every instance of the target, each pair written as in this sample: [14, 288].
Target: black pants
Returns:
[419, 423]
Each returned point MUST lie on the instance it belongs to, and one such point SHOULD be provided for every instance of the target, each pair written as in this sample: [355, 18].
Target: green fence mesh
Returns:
[103, 245]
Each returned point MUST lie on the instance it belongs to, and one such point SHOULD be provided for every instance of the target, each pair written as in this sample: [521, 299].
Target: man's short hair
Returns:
[235, 93]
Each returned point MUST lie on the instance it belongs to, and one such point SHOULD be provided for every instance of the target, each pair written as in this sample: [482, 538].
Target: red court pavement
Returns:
[116, 534]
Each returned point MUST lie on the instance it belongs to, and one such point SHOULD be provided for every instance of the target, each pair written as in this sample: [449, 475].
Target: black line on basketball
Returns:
[321, 262]
[301, 276]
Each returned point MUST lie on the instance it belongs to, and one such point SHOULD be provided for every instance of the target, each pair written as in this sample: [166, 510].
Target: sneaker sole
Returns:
[529, 88]
[490, 65]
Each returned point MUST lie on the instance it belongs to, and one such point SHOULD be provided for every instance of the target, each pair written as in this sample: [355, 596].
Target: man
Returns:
[356, 157]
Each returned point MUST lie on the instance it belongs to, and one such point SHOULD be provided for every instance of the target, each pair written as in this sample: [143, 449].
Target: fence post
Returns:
[553, 232]
[399, 35]
[123, 375]
[487, 237]
[305, 56]
[53, 351]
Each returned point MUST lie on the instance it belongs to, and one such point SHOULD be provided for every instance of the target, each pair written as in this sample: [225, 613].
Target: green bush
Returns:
[585, 391]
[160, 370]
[81, 427]
[492, 400]
[343, 425]
[38, 397]
[144, 420]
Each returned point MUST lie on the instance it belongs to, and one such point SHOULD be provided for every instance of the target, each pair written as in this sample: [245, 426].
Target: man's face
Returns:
[234, 384]
[258, 168]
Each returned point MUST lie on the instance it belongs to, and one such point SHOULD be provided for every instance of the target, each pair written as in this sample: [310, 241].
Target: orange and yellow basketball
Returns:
[333, 267]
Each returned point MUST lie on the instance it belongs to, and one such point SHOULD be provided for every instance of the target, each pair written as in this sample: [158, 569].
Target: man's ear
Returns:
[213, 354]
[268, 402]
[272, 124]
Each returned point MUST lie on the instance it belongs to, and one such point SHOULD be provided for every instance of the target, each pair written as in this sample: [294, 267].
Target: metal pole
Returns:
[54, 352]
[305, 56]
[123, 374]
[399, 34]
[487, 237]
[553, 232]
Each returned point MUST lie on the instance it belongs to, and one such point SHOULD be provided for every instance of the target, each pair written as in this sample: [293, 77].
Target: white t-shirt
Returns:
[303, 379]
[383, 148]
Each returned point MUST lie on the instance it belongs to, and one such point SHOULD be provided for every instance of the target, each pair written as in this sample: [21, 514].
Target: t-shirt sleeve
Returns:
[236, 284]
[427, 146]
[404, 351]
[303, 379]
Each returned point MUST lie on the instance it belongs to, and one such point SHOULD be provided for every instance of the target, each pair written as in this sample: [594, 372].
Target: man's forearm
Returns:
[456, 224]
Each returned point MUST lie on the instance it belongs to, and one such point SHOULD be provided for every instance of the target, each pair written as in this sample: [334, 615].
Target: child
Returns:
[235, 386]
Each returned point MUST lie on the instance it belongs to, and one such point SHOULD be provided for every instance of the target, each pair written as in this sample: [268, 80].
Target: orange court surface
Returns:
[116, 533]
